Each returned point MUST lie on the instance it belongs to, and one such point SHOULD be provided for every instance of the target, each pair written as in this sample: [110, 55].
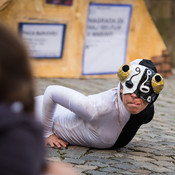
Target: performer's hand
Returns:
[53, 141]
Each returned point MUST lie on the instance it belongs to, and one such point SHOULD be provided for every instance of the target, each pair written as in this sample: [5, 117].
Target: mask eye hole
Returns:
[157, 78]
[125, 68]
[124, 72]
[157, 83]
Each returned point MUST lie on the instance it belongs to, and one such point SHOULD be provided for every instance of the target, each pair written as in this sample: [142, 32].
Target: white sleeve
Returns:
[78, 103]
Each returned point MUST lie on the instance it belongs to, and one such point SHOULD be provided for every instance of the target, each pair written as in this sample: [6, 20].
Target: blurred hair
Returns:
[16, 81]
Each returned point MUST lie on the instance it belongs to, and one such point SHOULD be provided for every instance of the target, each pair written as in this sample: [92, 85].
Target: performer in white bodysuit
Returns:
[90, 121]
[98, 120]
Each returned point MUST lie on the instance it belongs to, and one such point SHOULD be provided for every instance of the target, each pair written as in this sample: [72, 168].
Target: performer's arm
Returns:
[70, 99]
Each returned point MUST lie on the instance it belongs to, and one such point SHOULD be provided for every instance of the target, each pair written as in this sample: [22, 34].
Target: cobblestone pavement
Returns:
[152, 151]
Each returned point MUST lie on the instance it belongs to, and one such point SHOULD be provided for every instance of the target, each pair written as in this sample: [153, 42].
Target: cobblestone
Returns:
[151, 152]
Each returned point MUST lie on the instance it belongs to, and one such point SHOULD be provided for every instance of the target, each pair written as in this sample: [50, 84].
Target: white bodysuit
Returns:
[90, 121]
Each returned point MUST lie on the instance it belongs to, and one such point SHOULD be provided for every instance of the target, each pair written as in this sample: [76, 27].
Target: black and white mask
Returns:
[140, 80]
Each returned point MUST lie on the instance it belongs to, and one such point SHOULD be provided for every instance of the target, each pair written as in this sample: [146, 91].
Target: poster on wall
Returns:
[106, 38]
[60, 2]
[43, 40]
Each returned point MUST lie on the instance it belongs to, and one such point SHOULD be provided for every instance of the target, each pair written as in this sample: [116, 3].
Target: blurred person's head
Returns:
[16, 81]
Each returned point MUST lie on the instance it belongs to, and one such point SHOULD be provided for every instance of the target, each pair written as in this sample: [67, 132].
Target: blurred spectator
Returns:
[21, 137]
[21, 143]
[61, 169]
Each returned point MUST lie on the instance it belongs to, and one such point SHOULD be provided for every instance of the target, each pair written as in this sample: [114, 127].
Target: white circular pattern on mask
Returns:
[149, 72]
[149, 99]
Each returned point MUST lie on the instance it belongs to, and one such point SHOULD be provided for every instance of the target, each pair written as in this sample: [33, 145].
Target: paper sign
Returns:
[106, 38]
[43, 40]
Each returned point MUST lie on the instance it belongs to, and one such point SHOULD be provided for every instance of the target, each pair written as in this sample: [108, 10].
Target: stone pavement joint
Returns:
[151, 152]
